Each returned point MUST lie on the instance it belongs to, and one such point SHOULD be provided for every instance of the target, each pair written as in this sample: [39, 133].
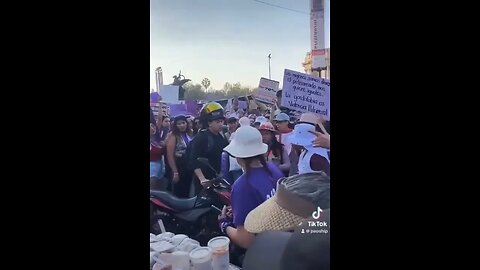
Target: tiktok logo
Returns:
[316, 214]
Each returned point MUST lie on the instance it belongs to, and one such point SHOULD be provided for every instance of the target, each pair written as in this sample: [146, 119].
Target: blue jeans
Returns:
[157, 169]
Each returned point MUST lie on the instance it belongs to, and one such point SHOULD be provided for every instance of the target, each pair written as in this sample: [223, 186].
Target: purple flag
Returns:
[178, 109]
[154, 97]
[242, 104]
[191, 107]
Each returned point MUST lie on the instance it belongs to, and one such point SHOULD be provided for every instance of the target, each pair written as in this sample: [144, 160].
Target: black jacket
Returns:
[207, 145]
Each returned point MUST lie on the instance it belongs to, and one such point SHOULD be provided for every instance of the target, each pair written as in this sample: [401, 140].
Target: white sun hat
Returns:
[261, 119]
[244, 121]
[302, 131]
[301, 135]
[246, 143]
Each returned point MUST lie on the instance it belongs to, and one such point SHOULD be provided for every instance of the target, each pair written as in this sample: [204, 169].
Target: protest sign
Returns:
[169, 94]
[242, 105]
[178, 109]
[306, 93]
[154, 97]
[267, 90]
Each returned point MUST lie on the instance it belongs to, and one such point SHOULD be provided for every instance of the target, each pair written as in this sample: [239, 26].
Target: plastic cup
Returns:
[178, 259]
[220, 255]
[158, 266]
[201, 258]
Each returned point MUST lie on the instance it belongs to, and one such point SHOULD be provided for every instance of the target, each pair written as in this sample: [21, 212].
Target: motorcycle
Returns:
[197, 216]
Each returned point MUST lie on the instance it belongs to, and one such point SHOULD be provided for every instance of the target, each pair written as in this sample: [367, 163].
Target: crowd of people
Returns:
[277, 161]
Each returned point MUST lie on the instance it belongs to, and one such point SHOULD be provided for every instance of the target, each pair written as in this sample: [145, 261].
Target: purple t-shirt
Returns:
[250, 191]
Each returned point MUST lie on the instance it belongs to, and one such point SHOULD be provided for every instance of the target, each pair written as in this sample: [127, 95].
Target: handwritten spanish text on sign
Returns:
[267, 91]
[306, 93]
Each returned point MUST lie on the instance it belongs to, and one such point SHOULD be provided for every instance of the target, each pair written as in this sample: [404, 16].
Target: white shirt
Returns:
[304, 160]
[234, 164]
[233, 161]
[282, 139]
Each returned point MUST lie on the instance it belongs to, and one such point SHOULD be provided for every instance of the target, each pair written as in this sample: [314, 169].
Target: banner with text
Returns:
[306, 93]
[267, 91]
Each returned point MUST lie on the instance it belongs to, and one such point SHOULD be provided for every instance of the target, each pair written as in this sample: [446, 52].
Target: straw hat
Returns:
[290, 206]
[285, 248]
[246, 143]
[310, 118]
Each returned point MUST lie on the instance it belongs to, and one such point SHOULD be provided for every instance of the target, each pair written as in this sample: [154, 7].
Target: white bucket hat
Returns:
[301, 135]
[301, 132]
[246, 143]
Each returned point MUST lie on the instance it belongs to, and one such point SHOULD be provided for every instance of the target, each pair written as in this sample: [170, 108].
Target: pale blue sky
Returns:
[227, 40]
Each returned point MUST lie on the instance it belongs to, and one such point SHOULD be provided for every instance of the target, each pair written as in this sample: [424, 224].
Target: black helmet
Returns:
[211, 111]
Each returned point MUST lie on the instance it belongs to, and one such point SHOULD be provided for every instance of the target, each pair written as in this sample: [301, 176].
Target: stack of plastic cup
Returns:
[201, 258]
[220, 254]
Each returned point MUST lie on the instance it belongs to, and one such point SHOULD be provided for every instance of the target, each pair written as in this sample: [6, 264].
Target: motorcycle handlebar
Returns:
[217, 182]
[218, 177]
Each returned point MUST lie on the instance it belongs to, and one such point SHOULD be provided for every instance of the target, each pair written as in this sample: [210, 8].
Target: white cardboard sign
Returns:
[306, 93]
[267, 91]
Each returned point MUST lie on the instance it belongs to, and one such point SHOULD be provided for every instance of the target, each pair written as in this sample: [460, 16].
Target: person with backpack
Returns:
[208, 143]
[256, 185]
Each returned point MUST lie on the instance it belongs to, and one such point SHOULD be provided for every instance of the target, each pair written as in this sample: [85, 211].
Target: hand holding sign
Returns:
[323, 139]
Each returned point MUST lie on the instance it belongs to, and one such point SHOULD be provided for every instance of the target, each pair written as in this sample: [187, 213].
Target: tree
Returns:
[227, 86]
[236, 90]
[194, 92]
[206, 83]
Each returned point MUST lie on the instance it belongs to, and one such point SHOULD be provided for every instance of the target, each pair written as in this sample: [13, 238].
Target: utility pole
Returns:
[269, 71]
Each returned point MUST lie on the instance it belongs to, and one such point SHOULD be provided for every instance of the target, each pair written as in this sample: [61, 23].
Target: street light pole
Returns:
[269, 72]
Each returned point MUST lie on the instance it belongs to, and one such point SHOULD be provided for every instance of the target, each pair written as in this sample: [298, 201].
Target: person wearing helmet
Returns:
[208, 143]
